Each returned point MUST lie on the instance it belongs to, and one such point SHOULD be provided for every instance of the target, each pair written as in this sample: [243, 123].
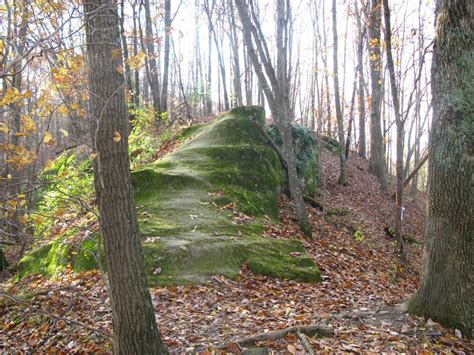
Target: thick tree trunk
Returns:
[377, 164]
[340, 122]
[132, 311]
[447, 288]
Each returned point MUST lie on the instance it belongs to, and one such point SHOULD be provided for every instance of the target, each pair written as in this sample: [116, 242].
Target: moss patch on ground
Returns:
[194, 209]
[54, 257]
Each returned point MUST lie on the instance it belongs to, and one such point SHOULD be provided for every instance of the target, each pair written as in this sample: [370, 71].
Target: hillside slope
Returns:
[362, 281]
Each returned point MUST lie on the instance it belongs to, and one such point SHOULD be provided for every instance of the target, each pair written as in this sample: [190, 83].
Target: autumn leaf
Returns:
[3, 128]
[137, 61]
[117, 137]
[120, 70]
[48, 139]
[116, 53]
[65, 133]
[28, 123]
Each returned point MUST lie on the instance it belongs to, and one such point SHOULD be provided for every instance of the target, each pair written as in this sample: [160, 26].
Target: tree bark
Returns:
[166, 59]
[132, 311]
[340, 121]
[360, 71]
[234, 40]
[377, 164]
[128, 74]
[446, 291]
[400, 123]
[151, 60]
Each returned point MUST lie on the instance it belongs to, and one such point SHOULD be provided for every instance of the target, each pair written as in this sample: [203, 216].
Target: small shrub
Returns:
[359, 236]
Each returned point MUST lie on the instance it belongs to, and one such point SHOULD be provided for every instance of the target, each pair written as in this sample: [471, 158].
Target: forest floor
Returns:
[359, 298]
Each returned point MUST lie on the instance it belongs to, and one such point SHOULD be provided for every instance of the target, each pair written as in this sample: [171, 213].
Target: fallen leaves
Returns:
[360, 285]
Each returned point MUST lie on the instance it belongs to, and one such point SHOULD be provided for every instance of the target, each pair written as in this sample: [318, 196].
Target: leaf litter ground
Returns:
[363, 284]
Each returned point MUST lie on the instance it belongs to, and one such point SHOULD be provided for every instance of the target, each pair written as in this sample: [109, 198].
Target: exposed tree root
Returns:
[310, 330]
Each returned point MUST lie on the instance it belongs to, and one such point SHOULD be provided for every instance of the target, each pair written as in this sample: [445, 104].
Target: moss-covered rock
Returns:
[201, 209]
[54, 257]
[307, 156]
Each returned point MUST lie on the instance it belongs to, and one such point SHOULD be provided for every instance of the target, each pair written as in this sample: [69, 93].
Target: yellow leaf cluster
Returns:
[373, 42]
[48, 139]
[19, 156]
[137, 61]
[28, 124]
[12, 96]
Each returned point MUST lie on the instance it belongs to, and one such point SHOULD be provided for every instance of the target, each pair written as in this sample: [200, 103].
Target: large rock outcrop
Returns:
[201, 208]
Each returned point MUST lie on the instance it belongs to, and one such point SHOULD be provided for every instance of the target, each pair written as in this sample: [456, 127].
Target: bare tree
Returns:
[340, 120]
[152, 67]
[400, 123]
[166, 62]
[209, 8]
[377, 164]
[361, 34]
[276, 88]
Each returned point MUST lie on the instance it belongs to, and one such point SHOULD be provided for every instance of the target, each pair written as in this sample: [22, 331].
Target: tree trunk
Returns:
[234, 40]
[220, 60]
[15, 226]
[326, 75]
[275, 90]
[351, 119]
[128, 74]
[132, 311]
[446, 292]
[360, 71]
[377, 164]
[400, 123]
[209, 76]
[136, 21]
[166, 62]
[340, 121]
[151, 60]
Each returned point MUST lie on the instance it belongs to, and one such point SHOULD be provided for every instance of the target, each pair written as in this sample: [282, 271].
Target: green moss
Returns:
[187, 236]
[256, 112]
[54, 257]
[169, 263]
[188, 132]
[307, 156]
[275, 260]
[88, 254]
